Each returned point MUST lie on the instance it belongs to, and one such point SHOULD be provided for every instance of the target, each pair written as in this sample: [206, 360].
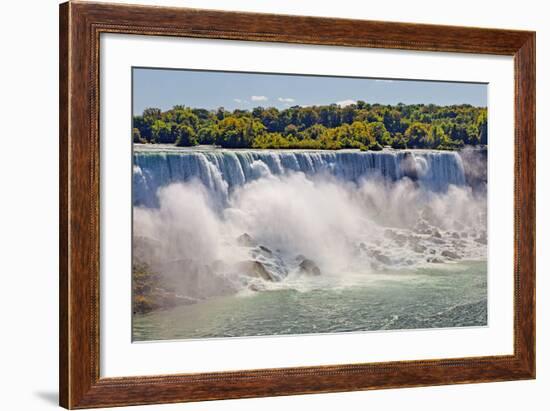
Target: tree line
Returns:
[360, 125]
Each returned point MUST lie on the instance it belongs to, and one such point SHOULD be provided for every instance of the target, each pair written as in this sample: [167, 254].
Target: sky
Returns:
[164, 88]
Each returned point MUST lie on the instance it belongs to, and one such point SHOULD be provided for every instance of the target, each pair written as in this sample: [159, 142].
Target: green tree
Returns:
[315, 131]
[435, 137]
[416, 134]
[136, 136]
[482, 126]
[207, 135]
[182, 115]
[348, 114]
[377, 132]
[291, 130]
[185, 136]
[307, 117]
[271, 140]
[162, 133]
[359, 125]
[238, 132]
[399, 141]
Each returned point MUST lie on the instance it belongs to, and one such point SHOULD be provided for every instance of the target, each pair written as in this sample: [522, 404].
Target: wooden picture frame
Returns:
[80, 27]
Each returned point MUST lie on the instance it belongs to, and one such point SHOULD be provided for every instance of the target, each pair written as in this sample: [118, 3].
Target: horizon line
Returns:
[311, 105]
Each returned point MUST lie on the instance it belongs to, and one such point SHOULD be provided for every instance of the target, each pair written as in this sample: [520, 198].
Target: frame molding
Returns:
[80, 25]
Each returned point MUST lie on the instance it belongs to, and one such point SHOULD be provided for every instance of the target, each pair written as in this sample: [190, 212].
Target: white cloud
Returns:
[258, 98]
[237, 100]
[345, 103]
[286, 99]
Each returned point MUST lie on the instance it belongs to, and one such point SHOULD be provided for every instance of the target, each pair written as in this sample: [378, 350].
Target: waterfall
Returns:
[223, 170]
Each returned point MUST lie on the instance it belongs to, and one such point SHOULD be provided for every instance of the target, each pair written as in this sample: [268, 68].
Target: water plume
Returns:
[373, 215]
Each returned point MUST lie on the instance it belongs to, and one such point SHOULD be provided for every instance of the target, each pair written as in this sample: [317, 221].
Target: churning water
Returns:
[429, 298]
[392, 240]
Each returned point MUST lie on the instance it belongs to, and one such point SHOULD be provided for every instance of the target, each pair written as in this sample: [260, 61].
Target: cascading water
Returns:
[221, 171]
[341, 240]
[391, 208]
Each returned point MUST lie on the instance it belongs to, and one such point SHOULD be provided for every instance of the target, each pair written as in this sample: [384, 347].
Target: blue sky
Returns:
[164, 88]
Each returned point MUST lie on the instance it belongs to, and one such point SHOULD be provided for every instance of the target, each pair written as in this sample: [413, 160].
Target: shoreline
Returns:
[168, 148]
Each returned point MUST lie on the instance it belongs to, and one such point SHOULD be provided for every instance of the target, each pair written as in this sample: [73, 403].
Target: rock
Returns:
[253, 269]
[459, 243]
[463, 234]
[371, 252]
[150, 292]
[384, 259]
[261, 251]
[435, 260]
[276, 269]
[300, 257]
[436, 234]
[400, 239]
[309, 267]
[455, 235]
[245, 240]
[419, 248]
[432, 251]
[422, 227]
[256, 287]
[159, 299]
[265, 249]
[450, 254]
[271, 262]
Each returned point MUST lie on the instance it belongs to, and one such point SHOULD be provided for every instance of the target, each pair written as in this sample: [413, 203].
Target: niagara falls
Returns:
[244, 242]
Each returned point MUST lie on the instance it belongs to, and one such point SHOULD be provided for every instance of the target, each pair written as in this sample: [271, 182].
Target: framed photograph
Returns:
[258, 205]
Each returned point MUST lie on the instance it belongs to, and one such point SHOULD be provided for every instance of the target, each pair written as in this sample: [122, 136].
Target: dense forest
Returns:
[360, 125]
